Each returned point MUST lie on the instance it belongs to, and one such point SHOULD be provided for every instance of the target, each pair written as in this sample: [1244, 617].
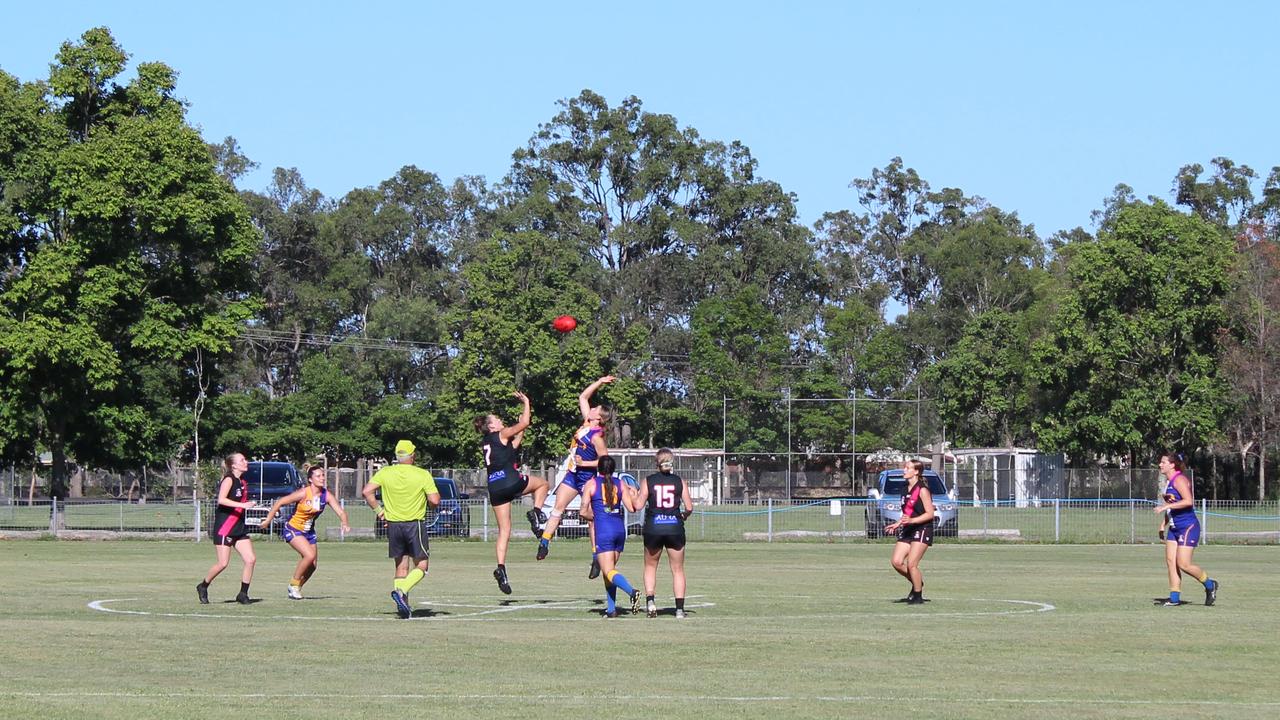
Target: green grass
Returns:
[777, 630]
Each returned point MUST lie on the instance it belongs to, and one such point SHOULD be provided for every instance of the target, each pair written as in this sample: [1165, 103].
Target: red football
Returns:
[564, 323]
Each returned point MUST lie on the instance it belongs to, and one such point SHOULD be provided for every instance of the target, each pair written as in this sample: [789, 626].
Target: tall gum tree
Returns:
[125, 254]
[1130, 363]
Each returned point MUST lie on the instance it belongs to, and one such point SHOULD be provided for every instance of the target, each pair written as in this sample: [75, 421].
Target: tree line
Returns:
[150, 309]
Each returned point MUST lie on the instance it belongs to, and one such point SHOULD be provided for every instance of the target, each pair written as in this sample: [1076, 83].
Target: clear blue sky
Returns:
[1041, 107]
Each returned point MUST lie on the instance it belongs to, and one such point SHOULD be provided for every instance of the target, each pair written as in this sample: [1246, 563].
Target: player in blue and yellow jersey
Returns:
[604, 498]
[406, 491]
[587, 450]
[499, 444]
[300, 531]
[1180, 529]
[228, 528]
[667, 504]
[914, 529]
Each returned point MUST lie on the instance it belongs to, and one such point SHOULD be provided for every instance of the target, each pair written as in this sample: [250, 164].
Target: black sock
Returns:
[204, 584]
[648, 598]
[679, 603]
[501, 566]
[244, 588]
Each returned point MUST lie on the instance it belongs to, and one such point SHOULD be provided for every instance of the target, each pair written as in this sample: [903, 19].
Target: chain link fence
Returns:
[839, 520]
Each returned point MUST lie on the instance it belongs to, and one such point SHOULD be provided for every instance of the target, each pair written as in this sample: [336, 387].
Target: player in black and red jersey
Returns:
[914, 529]
[667, 505]
[228, 527]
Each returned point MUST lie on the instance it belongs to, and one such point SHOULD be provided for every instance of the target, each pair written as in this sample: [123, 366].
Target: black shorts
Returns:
[501, 493]
[916, 533]
[407, 538]
[654, 543]
[229, 540]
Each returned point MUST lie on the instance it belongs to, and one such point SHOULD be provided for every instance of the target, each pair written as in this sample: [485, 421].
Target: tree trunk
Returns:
[58, 484]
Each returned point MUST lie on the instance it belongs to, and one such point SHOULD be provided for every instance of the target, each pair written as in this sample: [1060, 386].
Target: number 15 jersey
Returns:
[663, 504]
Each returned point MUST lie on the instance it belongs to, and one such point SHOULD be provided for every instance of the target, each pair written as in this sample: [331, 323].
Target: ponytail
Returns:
[609, 491]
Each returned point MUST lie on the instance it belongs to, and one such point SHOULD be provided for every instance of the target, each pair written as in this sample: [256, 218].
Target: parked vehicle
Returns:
[451, 519]
[269, 481]
[573, 526]
[885, 507]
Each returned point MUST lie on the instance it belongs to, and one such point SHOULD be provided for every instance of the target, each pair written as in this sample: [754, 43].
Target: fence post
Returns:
[485, 508]
[1057, 519]
[1204, 521]
[53, 516]
[1132, 523]
[770, 519]
[342, 536]
[196, 503]
[121, 506]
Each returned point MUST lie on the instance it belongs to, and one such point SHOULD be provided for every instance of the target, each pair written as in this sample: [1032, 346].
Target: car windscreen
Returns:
[898, 485]
[274, 477]
[448, 491]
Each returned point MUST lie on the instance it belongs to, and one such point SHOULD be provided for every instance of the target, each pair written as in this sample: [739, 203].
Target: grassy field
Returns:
[113, 630]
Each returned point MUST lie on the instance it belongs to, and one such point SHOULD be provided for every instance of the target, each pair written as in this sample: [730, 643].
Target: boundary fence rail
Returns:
[1058, 520]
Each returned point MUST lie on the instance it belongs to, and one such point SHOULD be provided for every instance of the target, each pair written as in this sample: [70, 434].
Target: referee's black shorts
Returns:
[407, 538]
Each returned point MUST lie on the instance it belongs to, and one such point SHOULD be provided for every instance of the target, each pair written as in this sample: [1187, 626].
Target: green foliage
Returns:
[1130, 361]
[983, 394]
[516, 285]
[130, 258]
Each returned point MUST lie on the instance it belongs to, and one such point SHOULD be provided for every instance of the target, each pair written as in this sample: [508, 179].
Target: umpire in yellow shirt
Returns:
[406, 490]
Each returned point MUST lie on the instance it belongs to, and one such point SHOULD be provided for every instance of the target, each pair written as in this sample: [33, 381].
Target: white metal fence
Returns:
[843, 520]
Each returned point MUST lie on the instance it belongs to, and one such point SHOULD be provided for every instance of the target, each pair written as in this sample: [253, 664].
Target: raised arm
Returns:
[525, 416]
[584, 400]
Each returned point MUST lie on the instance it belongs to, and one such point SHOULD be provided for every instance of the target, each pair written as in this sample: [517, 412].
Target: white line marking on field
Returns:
[489, 612]
[668, 697]
[576, 605]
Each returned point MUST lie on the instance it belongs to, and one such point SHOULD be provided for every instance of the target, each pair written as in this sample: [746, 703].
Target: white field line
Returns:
[487, 612]
[666, 697]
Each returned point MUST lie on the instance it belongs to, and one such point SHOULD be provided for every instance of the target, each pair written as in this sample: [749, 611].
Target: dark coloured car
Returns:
[268, 480]
[885, 507]
[451, 519]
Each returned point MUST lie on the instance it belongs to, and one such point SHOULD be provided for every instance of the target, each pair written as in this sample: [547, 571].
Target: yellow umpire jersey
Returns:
[404, 491]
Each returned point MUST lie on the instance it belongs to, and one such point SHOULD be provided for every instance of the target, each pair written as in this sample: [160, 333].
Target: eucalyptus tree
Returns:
[125, 254]
[1130, 361]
